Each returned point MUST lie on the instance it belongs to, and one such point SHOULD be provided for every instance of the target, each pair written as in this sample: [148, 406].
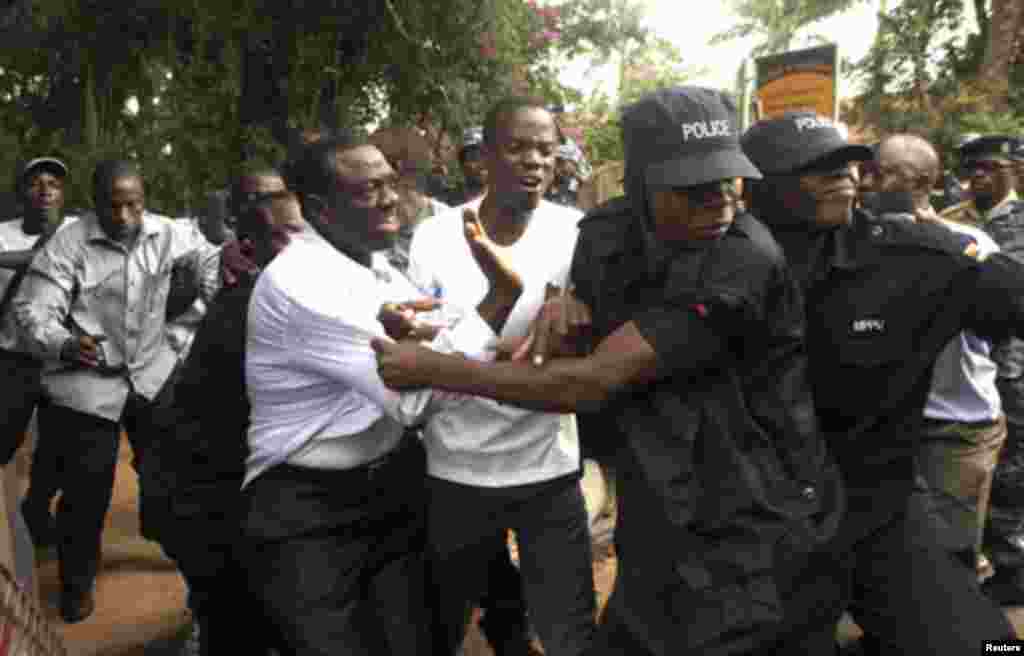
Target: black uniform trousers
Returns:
[86, 465]
[198, 528]
[229, 617]
[335, 557]
[908, 593]
[466, 524]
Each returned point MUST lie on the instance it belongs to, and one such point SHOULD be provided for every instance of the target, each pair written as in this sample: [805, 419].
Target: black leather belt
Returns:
[367, 470]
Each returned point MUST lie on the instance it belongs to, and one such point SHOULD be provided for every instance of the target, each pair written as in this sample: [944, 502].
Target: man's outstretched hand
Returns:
[561, 328]
[400, 322]
[505, 282]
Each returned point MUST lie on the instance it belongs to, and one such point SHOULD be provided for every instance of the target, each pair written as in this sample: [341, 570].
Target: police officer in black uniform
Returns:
[882, 300]
[995, 207]
[725, 485]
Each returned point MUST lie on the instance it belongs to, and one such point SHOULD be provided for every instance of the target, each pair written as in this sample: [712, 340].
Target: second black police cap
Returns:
[684, 136]
[989, 145]
[797, 140]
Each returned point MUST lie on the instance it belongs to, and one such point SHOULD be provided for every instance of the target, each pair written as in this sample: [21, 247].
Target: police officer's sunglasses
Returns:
[984, 166]
[708, 192]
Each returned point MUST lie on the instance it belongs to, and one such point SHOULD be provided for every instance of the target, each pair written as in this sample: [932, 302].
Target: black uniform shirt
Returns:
[883, 299]
[723, 474]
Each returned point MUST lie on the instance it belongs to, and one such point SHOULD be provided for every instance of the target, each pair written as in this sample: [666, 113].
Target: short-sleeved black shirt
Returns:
[723, 474]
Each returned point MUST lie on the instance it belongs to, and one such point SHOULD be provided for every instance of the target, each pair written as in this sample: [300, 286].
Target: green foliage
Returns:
[777, 22]
[218, 83]
[652, 64]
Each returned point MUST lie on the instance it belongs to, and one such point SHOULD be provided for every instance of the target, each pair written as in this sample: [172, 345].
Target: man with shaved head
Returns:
[907, 163]
[964, 427]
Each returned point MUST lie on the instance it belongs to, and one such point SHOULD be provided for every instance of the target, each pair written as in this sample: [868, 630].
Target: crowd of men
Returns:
[809, 380]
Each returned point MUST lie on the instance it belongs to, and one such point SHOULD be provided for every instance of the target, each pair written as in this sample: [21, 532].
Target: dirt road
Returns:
[141, 598]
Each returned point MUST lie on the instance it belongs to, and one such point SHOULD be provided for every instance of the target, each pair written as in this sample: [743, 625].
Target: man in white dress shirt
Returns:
[333, 528]
[492, 467]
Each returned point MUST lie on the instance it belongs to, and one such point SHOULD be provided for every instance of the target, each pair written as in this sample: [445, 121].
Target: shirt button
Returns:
[809, 493]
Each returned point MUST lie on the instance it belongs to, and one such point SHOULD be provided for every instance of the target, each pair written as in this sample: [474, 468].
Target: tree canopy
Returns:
[938, 68]
[192, 89]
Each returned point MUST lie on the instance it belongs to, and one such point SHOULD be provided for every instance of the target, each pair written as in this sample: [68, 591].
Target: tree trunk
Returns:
[266, 68]
[90, 110]
[1004, 25]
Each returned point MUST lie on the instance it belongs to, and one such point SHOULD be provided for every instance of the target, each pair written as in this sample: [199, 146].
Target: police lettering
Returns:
[811, 123]
[702, 130]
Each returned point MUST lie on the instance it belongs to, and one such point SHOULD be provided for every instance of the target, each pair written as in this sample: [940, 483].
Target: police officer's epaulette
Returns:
[927, 236]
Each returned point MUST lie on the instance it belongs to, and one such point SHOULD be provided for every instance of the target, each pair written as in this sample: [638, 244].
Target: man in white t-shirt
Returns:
[492, 467]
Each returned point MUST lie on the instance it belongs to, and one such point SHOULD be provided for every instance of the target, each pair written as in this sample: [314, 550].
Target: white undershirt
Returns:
[479, 441]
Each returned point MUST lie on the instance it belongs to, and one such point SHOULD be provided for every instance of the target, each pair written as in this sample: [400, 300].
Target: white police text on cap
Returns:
[701, 130]
[812, 123]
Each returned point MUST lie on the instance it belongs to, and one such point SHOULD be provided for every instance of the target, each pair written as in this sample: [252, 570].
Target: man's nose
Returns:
[388, 196]
[533, 158]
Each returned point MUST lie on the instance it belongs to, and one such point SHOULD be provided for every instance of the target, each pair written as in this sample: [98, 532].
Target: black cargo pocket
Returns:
[728, 593]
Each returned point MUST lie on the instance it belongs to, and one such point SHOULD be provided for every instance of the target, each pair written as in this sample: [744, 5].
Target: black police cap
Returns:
[798, 140]
[685, 136]
[989, 145]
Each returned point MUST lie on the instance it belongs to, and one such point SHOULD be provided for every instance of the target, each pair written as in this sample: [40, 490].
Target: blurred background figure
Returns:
[474, 170]
[410, 155]
[216, 221]
[571, 171]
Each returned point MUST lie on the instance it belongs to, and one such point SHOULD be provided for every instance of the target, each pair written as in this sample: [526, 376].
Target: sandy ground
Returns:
[141, 598]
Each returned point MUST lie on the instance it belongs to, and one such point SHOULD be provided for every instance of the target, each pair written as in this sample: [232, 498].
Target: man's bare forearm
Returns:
[563, 385]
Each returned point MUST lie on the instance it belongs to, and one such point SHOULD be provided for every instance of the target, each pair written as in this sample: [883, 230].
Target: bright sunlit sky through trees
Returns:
[690, 25]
